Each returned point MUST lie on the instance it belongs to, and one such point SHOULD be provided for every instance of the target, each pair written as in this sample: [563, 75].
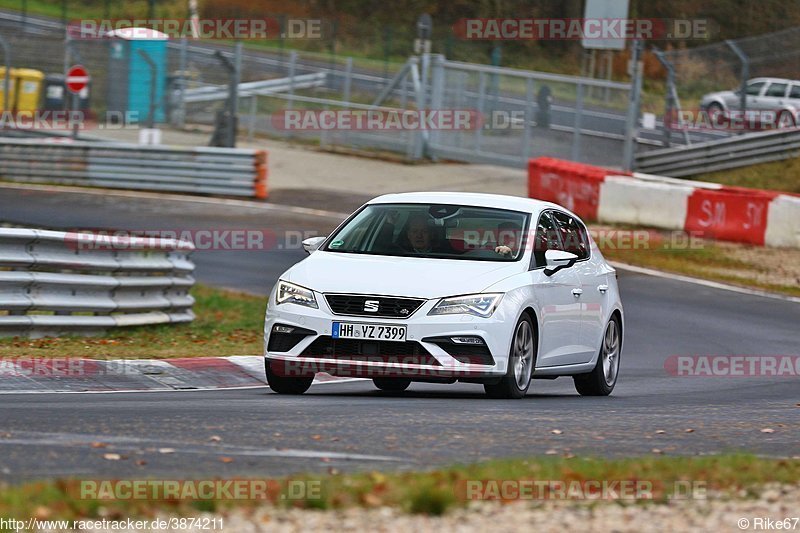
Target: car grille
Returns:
[388, 306]
[408, 352]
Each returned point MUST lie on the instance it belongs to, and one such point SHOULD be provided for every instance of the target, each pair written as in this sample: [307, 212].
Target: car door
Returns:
[752, 91]
[773, 98]
[559, 308]
[593, 279]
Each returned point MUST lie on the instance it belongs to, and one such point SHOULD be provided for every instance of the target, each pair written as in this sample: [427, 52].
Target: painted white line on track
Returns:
[703, 282]
[178, 198]
[139, 391]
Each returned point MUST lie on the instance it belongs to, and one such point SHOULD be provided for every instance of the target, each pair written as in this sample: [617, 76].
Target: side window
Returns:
[776, 90]
[573, 234]
[795, 93]
[753, 89]
[546, 238]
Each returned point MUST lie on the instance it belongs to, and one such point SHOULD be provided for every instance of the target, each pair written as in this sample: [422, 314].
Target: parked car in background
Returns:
[770, 102]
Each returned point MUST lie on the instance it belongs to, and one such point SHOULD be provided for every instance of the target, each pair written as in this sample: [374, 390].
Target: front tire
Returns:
[392, 384]
[715, 113]
[602, 379]
[521, 362]
[285, 384]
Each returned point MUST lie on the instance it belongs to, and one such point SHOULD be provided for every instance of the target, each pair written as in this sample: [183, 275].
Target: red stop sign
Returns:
[77, 78]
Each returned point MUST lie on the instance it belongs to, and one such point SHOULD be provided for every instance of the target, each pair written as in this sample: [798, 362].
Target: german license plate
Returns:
[371, 332]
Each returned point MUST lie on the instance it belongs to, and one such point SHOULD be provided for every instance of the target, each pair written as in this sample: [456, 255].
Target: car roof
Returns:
[781, 80]
[500, 201]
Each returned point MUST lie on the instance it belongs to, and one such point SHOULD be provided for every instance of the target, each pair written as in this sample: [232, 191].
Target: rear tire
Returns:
[392, 384]
[602, 379]
[521, 363]
[284, 384]
[785, 120]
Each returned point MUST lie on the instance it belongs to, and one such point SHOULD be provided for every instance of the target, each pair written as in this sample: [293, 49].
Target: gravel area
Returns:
[716, 513]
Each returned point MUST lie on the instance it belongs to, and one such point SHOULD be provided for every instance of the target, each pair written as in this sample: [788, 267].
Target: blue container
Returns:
[129, 75]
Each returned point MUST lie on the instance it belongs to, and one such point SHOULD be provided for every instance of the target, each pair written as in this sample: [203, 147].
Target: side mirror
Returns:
[311, 244]
[557, 260]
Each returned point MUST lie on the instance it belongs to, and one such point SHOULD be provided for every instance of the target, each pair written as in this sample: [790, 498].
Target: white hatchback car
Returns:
[445, 287]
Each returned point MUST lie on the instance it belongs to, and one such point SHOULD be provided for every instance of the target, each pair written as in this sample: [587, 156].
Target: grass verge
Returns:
[756, 267]
[776, 176]
[227, 323]
[434, 492]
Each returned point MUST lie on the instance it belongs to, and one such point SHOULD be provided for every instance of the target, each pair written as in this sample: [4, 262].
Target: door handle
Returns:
[602, 288]
[577, 292]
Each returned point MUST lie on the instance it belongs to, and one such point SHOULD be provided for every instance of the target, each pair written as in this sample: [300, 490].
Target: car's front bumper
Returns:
[430, 361]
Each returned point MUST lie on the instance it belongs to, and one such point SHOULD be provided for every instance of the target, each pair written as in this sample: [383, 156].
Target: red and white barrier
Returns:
[716, 211]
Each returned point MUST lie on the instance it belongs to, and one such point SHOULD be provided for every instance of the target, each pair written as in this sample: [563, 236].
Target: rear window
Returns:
[573, 234]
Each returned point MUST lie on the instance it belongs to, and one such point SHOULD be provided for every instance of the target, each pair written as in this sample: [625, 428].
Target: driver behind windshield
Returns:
[421, 237]
[418, 233]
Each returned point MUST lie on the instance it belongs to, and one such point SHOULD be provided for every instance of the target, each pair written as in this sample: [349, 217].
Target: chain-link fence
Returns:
[528, 114]
[723, 66]
[515, 114]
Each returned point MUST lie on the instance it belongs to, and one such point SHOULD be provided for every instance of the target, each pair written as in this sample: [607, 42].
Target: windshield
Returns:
[433, 230]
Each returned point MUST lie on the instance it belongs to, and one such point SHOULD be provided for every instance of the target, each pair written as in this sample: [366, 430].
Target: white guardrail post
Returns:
[55, 283]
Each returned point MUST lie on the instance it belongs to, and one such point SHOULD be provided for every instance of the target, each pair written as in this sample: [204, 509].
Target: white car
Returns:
[443, 287]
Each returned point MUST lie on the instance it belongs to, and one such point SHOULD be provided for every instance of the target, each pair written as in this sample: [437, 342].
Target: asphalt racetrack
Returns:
[351, 425]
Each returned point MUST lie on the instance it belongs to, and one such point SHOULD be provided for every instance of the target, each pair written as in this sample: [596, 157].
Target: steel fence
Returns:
[524, 113]
[530, 114]
[723, 154]
[54, 283]
[721, 66]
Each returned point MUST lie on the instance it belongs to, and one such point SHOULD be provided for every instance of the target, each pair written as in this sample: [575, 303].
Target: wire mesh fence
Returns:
[515, 114]
[724, 66]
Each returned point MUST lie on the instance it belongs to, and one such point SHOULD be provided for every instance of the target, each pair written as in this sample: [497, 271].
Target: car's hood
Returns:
[398, 276]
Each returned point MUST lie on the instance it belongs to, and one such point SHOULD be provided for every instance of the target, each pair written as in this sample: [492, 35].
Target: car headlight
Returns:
[295, 294]
[482, 305]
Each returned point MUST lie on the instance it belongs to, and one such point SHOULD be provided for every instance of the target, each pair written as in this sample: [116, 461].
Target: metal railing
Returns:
[254, 88]
[54, 283]
[224, 171]
[724, 154]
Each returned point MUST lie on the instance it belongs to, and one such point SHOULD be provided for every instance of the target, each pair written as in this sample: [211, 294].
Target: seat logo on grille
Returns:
[371, 306]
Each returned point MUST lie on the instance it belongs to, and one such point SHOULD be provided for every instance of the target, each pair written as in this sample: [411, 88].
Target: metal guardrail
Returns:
[213, 93]
[744, 150]
[54, 283]
[224, 171]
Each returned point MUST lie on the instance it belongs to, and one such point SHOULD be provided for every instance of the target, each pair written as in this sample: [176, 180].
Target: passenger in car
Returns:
[508, 238]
